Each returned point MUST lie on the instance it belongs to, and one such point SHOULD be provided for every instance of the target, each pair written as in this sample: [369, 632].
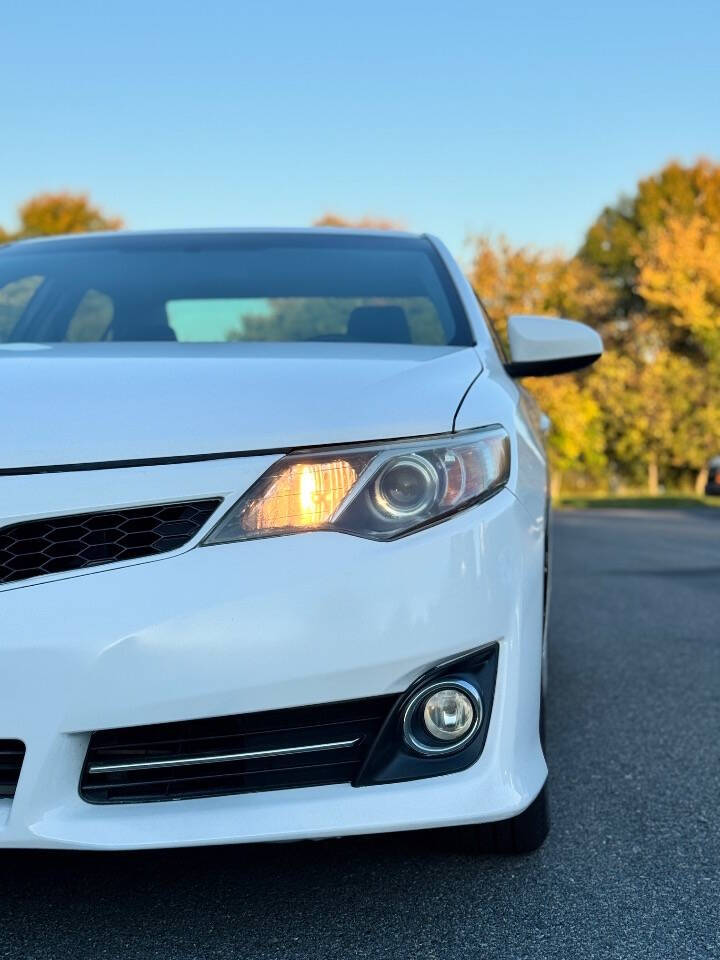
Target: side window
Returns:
[92, 318]
[14, 297]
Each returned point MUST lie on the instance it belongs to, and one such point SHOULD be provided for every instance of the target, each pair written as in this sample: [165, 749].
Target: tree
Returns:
[524, 280]
[364, 223]
[508, 280]
[655, 419]
[521, 280]
[624, 234]
[659, 250]
[679, 280]
[576, 442]
[56, 213]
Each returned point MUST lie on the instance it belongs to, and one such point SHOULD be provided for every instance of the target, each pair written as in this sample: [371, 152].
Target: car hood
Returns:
[94, 403]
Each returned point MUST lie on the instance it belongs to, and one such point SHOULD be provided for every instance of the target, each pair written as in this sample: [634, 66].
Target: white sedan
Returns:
[273, 542]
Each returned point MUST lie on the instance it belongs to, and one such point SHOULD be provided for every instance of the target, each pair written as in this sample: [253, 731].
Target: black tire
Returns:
[519, 835]
[527, 831]
[524, 833]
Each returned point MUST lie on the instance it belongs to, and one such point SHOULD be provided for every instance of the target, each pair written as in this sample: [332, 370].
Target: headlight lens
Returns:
[405, 487]
[377, 491]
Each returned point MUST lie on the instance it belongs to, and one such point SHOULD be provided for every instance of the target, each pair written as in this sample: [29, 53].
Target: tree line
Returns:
[647, 277]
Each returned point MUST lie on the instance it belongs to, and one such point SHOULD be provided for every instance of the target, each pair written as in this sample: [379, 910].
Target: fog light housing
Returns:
[442, 717]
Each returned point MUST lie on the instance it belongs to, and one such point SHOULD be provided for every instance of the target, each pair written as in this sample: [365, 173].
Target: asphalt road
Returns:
[631, 868]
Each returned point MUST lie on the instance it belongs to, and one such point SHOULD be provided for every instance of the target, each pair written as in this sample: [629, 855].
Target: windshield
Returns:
[229, 287]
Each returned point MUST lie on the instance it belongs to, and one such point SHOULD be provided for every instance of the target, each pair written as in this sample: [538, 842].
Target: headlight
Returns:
[378, 491]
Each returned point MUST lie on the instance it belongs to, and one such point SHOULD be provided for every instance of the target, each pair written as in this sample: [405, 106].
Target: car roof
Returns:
[130, 238]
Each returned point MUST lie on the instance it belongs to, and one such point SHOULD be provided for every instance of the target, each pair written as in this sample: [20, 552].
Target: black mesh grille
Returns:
[186, 745]
[11, 758]
[58, 544]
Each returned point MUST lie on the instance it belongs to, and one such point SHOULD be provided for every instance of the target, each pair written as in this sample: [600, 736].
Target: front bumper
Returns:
[263, 625]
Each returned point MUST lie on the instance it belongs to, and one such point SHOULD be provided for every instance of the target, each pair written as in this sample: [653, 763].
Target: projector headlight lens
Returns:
[405, 487]
[377, 491]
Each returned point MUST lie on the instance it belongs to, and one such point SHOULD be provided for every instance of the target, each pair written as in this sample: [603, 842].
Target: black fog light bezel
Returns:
[392, 759]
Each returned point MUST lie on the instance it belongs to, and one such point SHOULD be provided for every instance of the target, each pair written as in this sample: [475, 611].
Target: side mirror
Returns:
[542, 346]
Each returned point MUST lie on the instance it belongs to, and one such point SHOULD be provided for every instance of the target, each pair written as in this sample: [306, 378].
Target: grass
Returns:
[666, 501]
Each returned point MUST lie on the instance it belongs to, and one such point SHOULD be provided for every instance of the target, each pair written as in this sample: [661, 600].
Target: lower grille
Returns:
[274, 750]
[59, 544]
[12, 753]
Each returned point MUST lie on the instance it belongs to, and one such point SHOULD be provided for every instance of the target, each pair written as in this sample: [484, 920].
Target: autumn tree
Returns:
[576, 441]
[679, 281]
[331, 219]
[678, 278]
[655, 424]
[57, 213]
[627, 229]
[522, 280]
[659, 251]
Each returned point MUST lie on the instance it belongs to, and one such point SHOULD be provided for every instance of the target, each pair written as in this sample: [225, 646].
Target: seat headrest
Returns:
[143, 324]
[378, 325]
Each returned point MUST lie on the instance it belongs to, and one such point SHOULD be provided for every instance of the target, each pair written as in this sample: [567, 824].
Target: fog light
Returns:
[448, 714]
[442, 717]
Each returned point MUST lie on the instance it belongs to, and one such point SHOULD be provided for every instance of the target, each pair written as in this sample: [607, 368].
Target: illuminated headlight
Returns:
[377, 491]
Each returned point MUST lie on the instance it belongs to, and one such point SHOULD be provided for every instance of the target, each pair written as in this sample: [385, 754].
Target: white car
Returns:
[273, 542]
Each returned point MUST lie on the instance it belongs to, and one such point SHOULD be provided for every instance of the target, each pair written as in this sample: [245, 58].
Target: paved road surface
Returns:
[631, 869]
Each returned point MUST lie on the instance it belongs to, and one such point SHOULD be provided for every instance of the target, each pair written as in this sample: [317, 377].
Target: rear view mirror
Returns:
[543, 346]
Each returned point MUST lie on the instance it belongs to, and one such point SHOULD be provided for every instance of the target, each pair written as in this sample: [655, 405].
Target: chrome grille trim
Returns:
[279, 749]
[219, 757]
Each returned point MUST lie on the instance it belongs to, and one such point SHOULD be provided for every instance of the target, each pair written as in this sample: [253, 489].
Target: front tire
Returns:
[525, 832]
[521, 834]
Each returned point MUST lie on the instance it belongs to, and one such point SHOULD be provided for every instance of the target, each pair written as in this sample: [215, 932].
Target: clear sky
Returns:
[523, 118]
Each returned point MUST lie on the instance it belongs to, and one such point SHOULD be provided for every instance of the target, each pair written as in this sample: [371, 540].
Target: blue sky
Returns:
[454, 117]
